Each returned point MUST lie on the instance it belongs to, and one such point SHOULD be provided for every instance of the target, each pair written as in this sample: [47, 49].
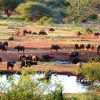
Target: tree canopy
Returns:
[7, 5]
[72, 10]
[34, 10]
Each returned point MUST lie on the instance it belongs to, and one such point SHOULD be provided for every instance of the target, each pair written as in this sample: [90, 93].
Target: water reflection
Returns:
[70, 85]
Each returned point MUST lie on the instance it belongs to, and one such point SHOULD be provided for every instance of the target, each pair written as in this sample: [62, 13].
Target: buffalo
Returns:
[92, 47]
[10, 64]
[11, 38]
[27, 63]
[1, 60]
[96, 35]
[25, 32]
[51, 29]
[29, 57]
[3, 46]
[98, 49]
[76, 47]
[88, 46]
[82, 46]
[79, 34]
[5, 43]
[34, 33]
[46, 58]
[35, 58]
[55, 47]
[74, 57]
[42, 33]
[22, 57]
[20, 48]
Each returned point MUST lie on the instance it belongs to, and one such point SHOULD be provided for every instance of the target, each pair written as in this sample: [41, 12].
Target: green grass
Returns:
[6, 31]
[54, 35]
[11, 23]
[74, 27]
[3, 37]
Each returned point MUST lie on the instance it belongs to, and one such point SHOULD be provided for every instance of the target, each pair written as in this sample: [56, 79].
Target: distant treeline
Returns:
[53, 11]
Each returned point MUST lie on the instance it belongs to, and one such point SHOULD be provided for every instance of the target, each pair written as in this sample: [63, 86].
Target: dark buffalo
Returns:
[29, 32]
[11, 38]
[34, 33]
[3, 47]
[22, 57]
[20, 48]
[46, 58]
[79, 34]
[29, 57]
[5, 43]
[92, 47]
[96, 35]
[74, 57]
[76, 47]
[42, 33]
[88, 46]
[82, 46]
[1, 60]
[25, 32]
[35, 58]
[51, 29]
[10, 64]
[27, 63]
[55, 47]
[98, 49]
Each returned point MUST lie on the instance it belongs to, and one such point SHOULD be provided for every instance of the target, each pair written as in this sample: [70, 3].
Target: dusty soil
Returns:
[39, 45]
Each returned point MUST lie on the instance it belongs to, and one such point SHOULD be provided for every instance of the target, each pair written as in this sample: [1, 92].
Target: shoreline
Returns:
[4, 72]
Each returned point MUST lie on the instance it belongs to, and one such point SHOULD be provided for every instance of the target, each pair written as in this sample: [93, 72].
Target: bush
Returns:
[45, 21]
[91, 71]
[34, 10]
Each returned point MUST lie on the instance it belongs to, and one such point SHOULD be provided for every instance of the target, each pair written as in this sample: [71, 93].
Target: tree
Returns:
[80, 10]
[57, 3]
[9, 5]
[91, 71]
[34, 10]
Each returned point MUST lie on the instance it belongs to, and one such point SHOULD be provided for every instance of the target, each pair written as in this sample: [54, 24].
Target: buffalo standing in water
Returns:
[46, 58]
[24, 57]
[74, 57]
[20, 48]
[27, 63]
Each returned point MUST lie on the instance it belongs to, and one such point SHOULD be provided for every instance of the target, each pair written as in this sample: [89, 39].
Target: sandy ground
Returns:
[39, 45]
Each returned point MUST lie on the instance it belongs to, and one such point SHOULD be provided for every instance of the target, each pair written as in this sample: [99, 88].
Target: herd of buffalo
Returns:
[89, 31]
[29, 60]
